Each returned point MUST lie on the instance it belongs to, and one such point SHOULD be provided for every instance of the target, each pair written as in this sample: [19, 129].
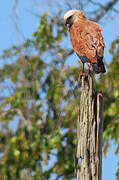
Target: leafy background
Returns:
[40, 94]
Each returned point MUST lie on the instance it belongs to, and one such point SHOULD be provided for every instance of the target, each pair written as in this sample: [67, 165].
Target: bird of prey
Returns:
[86, 40]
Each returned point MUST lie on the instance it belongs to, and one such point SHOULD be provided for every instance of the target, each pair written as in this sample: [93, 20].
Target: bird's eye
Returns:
[69, 17]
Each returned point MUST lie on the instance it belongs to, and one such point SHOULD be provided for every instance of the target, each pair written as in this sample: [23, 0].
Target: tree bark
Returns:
[89, 132]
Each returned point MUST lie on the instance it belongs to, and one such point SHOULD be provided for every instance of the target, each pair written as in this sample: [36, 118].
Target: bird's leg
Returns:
[89, 68]
[82, 73]
[83, 68]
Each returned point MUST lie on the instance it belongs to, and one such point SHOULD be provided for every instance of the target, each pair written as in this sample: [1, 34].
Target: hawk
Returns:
[86, 40]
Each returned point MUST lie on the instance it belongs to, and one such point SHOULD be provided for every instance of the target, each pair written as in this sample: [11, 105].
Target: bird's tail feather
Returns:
[98, 67]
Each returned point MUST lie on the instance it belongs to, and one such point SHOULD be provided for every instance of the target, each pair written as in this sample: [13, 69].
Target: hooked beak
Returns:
[66, 23]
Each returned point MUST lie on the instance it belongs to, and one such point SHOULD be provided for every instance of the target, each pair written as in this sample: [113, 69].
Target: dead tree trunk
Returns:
[89, 131]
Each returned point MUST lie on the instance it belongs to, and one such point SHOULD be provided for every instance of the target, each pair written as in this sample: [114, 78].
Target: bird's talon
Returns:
[85, 75]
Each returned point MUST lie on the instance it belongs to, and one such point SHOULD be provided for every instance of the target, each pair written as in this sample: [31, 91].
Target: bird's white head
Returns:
[71, 16]
[71, 13]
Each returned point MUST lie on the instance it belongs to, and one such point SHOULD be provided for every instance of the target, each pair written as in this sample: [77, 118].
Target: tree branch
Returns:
[105, 9]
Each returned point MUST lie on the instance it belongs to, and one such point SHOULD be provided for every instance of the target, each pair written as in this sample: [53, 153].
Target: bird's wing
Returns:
[87, 40]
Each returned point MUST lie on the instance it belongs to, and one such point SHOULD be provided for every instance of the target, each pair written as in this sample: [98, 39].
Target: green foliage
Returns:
[45, 99]
[42, 100]
[111, 95]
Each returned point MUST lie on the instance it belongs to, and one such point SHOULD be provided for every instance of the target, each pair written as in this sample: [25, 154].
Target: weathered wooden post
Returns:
[89, 132]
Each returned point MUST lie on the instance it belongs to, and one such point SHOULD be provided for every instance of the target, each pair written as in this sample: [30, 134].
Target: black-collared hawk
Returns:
[86, 39]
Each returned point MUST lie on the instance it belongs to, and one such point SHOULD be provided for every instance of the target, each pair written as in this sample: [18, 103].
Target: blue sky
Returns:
[14, 29]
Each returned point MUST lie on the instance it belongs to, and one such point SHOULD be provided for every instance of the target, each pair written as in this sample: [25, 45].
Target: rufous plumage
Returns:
[86, 39]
